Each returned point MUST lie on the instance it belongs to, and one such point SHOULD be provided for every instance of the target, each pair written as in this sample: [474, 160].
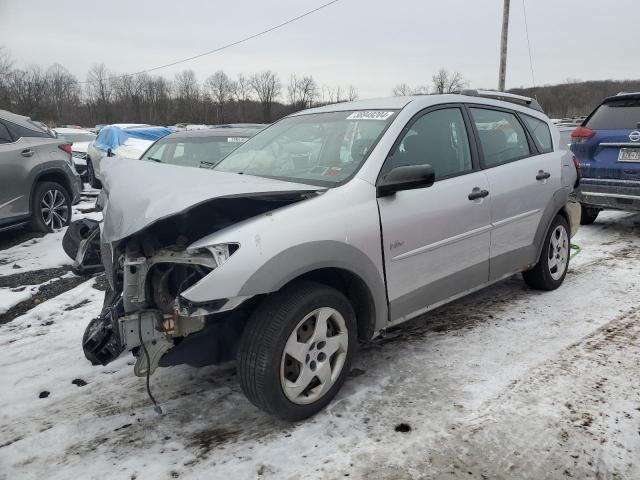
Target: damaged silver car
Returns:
[323, 230]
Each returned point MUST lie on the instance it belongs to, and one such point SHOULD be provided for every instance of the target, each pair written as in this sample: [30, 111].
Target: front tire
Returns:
[588, 215]
[552, 267]
[296, 350]
[91, 175]
[50, 207]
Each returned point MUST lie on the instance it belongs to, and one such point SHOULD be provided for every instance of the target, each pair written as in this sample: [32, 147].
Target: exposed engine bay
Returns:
[144, 311]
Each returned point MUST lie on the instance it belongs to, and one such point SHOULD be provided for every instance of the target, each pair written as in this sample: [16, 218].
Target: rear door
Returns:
[435, 239]
[522, 180]
[14, 172]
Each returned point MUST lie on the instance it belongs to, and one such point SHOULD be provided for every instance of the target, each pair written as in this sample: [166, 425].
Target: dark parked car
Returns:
[198, 148]
[607, 148]
[38, 182]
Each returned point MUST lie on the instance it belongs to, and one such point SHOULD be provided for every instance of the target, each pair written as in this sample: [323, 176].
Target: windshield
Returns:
[197, 151]
[77, 137]
[321, 149]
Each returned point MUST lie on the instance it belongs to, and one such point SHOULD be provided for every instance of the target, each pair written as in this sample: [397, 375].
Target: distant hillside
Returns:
[573, 99]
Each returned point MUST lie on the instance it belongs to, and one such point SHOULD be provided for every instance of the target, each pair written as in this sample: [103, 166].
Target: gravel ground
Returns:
[506, 383]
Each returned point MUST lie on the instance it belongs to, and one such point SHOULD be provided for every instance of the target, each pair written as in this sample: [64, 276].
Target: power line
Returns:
[224, 47]
[526, 29]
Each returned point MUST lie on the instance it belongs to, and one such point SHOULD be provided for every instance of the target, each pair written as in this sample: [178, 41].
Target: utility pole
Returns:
[503, 45]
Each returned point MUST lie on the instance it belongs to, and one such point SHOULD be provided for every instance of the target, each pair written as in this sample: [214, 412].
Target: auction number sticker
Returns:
[370, 115]
[236, 139]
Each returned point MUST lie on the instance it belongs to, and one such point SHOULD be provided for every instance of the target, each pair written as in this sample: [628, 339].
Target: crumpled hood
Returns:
[138, 193]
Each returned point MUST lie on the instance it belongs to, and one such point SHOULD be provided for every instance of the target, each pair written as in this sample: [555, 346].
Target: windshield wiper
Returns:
[154, 159]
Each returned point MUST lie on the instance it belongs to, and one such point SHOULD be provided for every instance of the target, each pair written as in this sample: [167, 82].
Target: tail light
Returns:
[582, 134]
[576, 163]
[66, 147]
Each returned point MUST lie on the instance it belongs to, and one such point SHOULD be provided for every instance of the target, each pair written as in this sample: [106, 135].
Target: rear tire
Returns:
[588, 215]
[552, 267]
[91, 176]
[307, 320]
[50, 207]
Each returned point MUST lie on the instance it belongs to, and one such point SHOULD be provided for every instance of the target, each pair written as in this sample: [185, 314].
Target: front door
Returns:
[435, 239]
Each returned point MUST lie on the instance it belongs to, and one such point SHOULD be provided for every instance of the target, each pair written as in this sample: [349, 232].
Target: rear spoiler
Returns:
[505, 97]
[622, 96]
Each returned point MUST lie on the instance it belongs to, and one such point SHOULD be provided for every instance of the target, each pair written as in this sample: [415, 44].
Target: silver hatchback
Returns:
[325, 229]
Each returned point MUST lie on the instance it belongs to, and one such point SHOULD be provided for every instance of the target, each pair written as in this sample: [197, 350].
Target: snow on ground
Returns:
[506, 383]
[42, 252]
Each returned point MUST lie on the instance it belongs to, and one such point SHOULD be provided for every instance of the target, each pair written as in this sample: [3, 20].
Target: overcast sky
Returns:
[372, 44]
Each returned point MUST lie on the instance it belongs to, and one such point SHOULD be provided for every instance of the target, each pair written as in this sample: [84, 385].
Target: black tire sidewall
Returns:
[272, 391]
[37, 222]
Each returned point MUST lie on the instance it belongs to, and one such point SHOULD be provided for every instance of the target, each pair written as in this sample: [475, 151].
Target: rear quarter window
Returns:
[18, 132]
[540, 132]
[623, 114]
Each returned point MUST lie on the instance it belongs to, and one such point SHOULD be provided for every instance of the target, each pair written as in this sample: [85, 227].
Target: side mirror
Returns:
[110, 153]
[408, 177]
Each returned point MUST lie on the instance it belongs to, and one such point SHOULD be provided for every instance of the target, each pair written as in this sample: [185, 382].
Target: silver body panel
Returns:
[414, 250]
[22, 163]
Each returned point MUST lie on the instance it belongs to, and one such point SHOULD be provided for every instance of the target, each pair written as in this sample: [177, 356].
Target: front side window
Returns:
[199, 152]
[439, 139]
[319, 149]
[19, 131]
[5, 136]
[501, 136]
[540, 132]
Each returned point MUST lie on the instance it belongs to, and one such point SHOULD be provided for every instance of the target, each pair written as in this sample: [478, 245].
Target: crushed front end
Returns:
[144, 312]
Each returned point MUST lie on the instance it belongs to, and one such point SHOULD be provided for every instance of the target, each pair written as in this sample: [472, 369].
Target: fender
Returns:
[557, 203]
[307, 257]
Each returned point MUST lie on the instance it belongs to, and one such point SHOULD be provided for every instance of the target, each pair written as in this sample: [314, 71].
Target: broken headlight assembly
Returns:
[221, 252]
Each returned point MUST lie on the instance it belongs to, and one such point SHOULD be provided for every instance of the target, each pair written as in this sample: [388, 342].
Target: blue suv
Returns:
[606, 148]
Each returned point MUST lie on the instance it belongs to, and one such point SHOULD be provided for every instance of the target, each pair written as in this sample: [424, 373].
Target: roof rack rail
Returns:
[505, 97]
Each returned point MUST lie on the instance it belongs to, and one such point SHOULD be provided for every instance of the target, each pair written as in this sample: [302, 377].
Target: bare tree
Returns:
[404, 89]
[62, 90]
[99, 90]
[6, 66]
[445, 82]
[242, 94]
[267, 87]
[220, 89]
[352, 93]
[302, 91]
[27, 89]
[187, 96]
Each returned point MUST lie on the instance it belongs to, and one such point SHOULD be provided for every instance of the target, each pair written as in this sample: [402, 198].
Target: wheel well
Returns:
[53, 176]
[355, 289]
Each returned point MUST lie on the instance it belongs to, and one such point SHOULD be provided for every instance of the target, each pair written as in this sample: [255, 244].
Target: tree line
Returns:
[56, 97]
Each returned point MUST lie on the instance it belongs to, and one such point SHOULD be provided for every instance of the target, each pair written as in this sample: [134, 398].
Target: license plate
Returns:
[629, 155]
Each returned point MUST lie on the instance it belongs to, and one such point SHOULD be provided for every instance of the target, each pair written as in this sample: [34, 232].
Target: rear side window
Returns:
[501, 136]
[5, 136]
[18, 132]
[540, 132]
[623, 114]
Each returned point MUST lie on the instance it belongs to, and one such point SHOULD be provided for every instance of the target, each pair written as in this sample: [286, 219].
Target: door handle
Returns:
[27, 152]
[477, 193]
[542, 175]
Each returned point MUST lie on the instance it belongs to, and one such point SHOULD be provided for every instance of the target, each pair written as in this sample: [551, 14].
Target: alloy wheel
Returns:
[558, 252]
[314, 356]
[54, 209]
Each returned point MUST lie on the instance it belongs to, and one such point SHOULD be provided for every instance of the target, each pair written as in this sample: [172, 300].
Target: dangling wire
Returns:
[526, 29]
[156, 407]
